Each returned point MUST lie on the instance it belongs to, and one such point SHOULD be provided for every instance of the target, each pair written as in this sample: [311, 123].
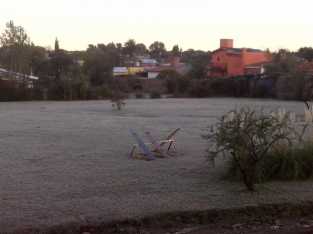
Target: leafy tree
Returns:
[158, 50]
[141, 49]
[14, 35]
[175, 83]
[130, 48]
[284, 62]
[176, 51]
[56, 45]
[15, 48]
[199, 61]
[37, 58]
[99, 63]
[306, 53]
[247, 136]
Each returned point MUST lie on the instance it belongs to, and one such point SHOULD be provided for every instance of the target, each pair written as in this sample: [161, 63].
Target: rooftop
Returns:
[4, 72]
[238, 50]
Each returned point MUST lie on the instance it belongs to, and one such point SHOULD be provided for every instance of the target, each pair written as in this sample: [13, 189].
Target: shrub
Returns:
[155, 95]
[247, 137]
[200, 89]
[139, 95]
[281, 163]
[117, 99]
[100, 92]
[287, 163]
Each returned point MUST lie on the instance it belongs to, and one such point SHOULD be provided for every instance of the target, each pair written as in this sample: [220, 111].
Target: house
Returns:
[150, 69]
[173, 64]
[148, 62]
[127, 71]
[228, 61]
[120, 71]
[17, 78]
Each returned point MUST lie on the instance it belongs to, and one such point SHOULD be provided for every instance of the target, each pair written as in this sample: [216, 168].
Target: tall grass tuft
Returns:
[281, 163]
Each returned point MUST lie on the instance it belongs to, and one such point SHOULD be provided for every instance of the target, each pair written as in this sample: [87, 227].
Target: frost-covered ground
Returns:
[64, 162]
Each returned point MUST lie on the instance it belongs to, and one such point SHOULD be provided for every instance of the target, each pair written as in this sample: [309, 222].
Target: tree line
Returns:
[87, 74]
[83, 74]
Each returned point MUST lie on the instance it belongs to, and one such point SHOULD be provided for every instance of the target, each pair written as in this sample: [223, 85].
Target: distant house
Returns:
[120, 71]
[150, 68]
[228, 61]
[173, 64]
[18, 78]
[147, 62]
[127, 71]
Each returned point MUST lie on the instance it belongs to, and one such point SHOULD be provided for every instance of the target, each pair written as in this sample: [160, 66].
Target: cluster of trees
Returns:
[288, 76]
[289, 73]
[81, 74]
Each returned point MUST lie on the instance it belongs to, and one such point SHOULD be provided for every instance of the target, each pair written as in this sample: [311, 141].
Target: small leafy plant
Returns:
[117, 100]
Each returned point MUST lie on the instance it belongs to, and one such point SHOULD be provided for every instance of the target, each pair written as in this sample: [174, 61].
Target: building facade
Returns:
[228, 61]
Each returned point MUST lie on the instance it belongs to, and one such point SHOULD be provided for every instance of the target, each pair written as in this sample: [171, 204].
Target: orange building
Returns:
[228, 61]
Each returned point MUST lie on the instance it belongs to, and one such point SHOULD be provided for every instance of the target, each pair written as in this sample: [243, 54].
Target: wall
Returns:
[233, 63]
[235, 66]
[153, 75]
[255, 57]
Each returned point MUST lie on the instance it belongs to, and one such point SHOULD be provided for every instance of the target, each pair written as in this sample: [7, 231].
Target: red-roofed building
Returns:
[228, 61]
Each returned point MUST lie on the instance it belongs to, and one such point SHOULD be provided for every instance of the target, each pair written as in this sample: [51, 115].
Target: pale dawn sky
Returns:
[197, 24]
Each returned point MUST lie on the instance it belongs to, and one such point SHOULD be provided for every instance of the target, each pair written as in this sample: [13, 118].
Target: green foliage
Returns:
[289, 163]
[155, 95]
[141, 49]
[56, 45]
[99, 92]
[175, 83]
[286, 70]
[99, 61]
[14, 36]
[15, 54]
[282, 163]
[247, 136]
[306, 53]
[199, 61]
[158, 50]
[176, 51]
[284, 62]
[130, 48]
[139, 95]
[200, 89]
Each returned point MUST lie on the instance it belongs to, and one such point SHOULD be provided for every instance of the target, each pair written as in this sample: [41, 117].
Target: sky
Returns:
[197, 24]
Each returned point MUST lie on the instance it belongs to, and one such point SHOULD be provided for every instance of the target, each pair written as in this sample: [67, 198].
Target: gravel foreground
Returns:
[67, 163]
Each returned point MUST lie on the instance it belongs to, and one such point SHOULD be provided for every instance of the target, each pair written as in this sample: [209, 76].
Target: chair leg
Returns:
[131, 155]
[169, 147]
[174, 146]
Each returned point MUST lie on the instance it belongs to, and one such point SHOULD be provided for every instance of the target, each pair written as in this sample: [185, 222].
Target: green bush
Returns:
[139, 95]
[248, 138]
[281, 163]
[289, 163]
[155, 95]
[101, 92]
[200, 89]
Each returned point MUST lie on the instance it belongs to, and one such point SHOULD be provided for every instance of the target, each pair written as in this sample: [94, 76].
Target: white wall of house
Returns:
[153, 75]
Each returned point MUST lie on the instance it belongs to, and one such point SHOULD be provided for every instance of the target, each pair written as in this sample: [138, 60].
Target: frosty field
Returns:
[63, 162]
